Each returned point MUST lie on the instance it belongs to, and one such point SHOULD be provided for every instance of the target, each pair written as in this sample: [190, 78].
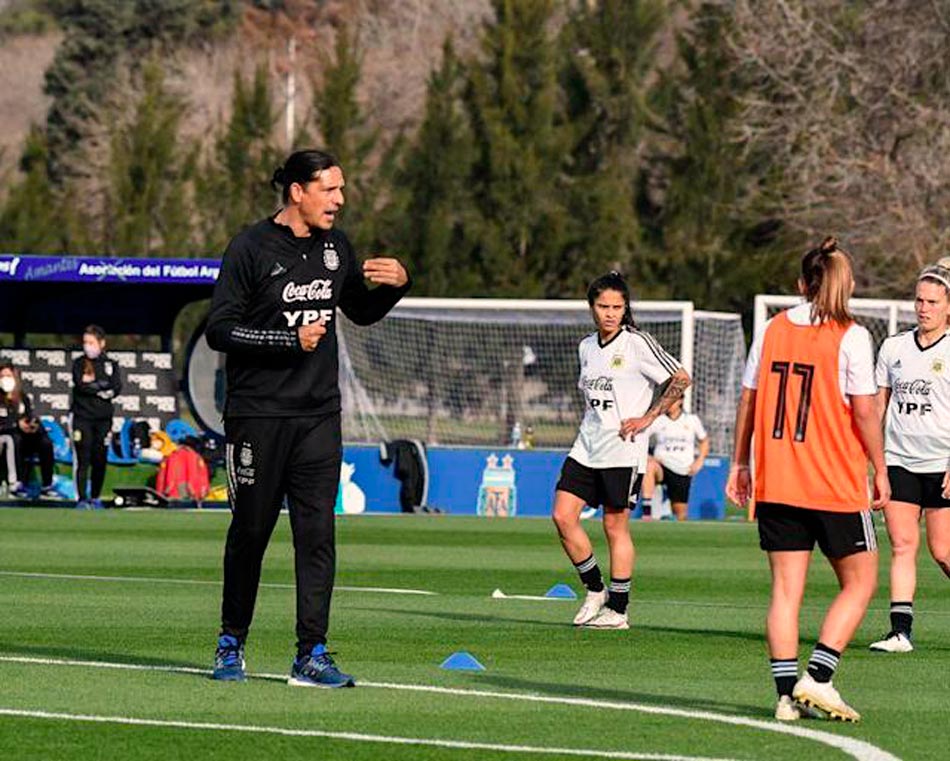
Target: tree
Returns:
[713, 240]
[521, 148]
[611, 56]
[851, 102]
[148, 201]
[430, 210]
[346, 135]
[36, 217]
[233, 188]
[101, 38]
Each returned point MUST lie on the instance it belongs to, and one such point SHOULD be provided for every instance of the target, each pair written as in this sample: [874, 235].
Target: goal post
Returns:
[882, 317]
[470, 372]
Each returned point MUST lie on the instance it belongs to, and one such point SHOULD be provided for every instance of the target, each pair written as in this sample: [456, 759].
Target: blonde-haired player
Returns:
[913, 377]
[809, 395]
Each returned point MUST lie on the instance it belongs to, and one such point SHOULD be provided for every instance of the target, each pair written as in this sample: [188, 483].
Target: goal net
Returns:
[482, 372]
[882, 317]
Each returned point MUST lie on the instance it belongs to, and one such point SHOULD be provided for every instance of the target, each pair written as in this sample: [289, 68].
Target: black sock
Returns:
[589, 572]
[902, 617]
[785, 674]
[823, 663]
[618, 594]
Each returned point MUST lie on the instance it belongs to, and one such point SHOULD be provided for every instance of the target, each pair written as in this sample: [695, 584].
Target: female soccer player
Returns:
[96, 383]
[810, 397]
[620, 367]
[913, 375]
[674, 461]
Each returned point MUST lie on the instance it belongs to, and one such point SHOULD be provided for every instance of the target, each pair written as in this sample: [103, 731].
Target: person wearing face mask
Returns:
[24, 435]
[96, 383]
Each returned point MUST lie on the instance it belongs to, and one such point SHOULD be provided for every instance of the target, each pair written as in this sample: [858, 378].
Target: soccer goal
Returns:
[484, 371]
[882, 317]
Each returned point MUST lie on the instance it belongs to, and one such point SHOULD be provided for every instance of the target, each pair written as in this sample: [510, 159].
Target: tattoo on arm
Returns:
[672, 390]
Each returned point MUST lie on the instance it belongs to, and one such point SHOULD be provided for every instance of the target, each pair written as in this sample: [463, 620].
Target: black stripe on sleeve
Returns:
[666, 361]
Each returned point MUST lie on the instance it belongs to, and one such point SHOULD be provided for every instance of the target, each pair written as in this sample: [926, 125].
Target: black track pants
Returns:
[89, 440]
[268, 460]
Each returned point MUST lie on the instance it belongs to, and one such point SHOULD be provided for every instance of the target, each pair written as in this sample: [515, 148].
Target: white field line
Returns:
[499, 595]
[637, 602]
[417, 592]
[857, 749]
[351, 736]
[201, 582]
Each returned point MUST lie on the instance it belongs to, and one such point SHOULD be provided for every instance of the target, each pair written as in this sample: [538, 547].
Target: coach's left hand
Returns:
[384, 270]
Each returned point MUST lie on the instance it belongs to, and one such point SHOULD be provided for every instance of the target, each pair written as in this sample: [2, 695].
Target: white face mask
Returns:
[91, 351]
[7, 384]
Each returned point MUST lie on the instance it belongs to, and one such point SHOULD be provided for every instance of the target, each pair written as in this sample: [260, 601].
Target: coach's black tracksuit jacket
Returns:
[271, 283]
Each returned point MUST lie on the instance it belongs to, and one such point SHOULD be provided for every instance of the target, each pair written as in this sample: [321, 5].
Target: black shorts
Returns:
[921, 489]
[677, 486]
[609, 487]
[784, 528]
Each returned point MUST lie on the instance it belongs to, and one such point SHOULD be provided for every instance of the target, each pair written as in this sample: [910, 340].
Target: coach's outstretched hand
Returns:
[385, 270]
[310, 335]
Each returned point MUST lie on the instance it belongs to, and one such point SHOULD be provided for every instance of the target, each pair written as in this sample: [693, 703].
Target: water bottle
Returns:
[516, 435]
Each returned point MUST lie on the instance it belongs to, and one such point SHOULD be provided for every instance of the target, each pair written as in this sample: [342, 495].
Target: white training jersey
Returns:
[855, 357]
[675, 441]
[917, 429]
[617, 379]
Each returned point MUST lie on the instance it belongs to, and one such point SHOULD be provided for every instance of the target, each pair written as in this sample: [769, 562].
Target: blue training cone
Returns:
[462, 661]
[561, 592]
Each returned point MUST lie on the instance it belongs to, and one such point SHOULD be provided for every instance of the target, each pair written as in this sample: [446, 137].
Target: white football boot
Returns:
[786, 710]
[608, 618]
[824, 696]
[593, 603]
[895, 642]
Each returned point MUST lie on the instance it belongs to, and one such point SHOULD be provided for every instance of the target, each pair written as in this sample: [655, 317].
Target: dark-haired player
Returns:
[620, 366]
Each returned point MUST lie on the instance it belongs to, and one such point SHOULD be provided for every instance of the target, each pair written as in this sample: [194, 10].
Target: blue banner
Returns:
[497, 482]
[89, 269]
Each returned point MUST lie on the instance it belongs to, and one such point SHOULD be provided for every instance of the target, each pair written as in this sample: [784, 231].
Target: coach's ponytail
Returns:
[300, 167]
[613, 281]
[827, 281]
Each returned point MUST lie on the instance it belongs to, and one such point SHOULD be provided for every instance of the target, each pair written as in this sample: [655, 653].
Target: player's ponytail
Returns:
[827, 281]
[613, 281]
[300, 167]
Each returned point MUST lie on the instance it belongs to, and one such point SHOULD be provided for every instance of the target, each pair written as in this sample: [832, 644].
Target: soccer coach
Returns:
[272, 313]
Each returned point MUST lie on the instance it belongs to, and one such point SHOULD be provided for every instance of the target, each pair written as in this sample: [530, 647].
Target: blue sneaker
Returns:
[318, 670]
[84, 504]
[229, 660]
[97, 504]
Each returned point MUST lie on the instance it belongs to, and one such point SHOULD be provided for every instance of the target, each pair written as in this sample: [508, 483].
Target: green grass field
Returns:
[690, 680]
